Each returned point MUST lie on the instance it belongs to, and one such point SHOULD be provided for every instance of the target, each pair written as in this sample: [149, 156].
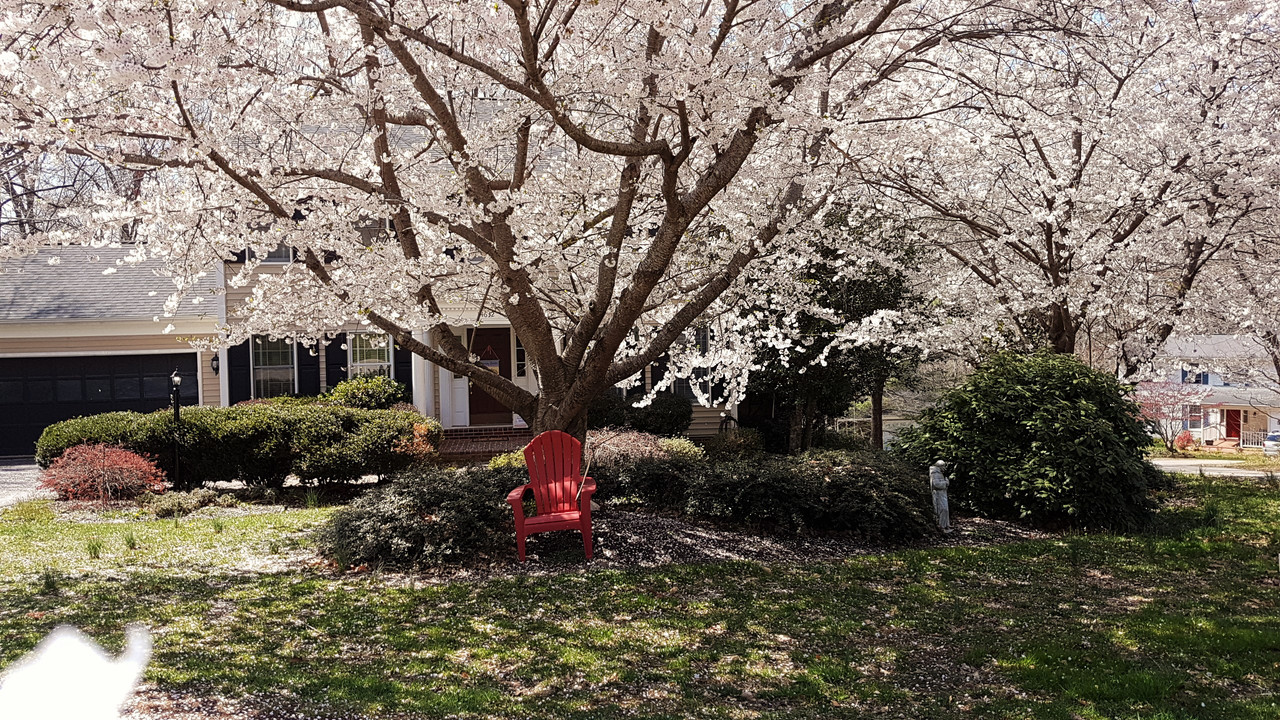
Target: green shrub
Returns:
[1043, 438]
[871, 494]
[260, 444]
[736, 444]
[608, 409]
[682, 449]
[113, 428]
[507, 461]
[425, 516]
[369, 392]
[181, 504]
[765, 493]
[668, 414]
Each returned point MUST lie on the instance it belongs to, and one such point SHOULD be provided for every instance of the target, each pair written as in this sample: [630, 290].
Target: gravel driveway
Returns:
[18, 477]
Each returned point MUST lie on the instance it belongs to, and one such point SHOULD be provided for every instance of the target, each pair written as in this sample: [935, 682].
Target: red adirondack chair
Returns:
[563, 496]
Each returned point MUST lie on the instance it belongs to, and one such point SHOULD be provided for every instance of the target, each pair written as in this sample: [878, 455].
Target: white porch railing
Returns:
[1252, 438]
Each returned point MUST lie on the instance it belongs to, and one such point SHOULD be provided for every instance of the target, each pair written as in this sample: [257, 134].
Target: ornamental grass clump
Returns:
[101, 473]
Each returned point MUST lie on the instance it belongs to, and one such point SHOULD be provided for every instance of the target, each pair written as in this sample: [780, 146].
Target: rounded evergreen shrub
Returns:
[871, 494]
[113, 428]
[369, 392]
[667, 415]
[736, 444]
[608, 409]
[767, 494]
[1042, 438]
[101, 473]
[425, 516]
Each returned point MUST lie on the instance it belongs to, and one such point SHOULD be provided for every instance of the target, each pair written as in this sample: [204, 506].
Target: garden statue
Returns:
[939, 483]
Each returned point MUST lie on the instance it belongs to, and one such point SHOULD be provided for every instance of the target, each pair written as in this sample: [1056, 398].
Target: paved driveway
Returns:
[1196, 466]
[17, 480]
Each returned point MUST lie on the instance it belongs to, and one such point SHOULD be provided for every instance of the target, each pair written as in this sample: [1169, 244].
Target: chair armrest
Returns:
[516, 497]
[587, 489]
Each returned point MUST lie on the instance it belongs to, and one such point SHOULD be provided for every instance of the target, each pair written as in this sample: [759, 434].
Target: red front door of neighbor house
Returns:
[1233, 423]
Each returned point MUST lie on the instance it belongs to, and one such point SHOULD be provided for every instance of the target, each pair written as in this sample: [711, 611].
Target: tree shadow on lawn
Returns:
[1092, 624]
[1181, 623]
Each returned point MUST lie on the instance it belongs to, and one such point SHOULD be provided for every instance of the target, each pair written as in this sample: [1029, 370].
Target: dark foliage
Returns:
[260, 444]
[608, 409]
[1043, 438]
[668, 415]
[425, 516]
[743, 444]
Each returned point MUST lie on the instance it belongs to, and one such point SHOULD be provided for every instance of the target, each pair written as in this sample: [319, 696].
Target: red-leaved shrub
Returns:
[101, 473]
[1184, 441]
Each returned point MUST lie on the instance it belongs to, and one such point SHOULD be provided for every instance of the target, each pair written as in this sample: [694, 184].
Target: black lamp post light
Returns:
[175, 383]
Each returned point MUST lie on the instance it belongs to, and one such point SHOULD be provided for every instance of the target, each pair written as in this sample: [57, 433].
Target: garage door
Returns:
[36, 392]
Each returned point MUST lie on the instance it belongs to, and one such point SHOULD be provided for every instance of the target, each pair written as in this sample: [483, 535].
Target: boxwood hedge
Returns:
[260, 444]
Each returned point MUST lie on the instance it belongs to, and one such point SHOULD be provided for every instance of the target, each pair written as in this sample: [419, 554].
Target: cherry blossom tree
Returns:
[604, 174]
[1091, 180]
[1166, 406]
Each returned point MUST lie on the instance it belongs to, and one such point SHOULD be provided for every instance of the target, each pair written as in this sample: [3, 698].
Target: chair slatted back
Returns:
[555, 461]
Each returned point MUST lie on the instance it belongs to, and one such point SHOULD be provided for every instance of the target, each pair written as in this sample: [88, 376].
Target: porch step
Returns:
[480, 444]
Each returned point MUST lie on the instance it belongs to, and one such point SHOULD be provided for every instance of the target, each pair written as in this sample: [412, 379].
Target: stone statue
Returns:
[940, 483]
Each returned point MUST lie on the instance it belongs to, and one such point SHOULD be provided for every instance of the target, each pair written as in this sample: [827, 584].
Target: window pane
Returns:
[272, 353]
[69, 390]
[155, 388]
[270, 382]
[369, 348]
[281, 253]
[272, 367]
[98, 388]
[128, 388]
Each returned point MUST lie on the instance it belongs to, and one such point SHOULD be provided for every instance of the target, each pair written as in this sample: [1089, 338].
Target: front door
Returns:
[493, 347]
[1233, 423]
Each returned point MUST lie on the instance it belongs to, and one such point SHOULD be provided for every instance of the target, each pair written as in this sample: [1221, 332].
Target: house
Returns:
[82, 332]
[79, 335]
[1236, 401]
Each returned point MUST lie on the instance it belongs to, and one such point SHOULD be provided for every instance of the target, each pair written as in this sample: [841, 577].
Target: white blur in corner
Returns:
[36, 687]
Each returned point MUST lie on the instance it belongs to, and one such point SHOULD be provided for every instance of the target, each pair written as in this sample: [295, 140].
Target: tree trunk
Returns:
[1062, 329]
[877, 415]
[795, 429]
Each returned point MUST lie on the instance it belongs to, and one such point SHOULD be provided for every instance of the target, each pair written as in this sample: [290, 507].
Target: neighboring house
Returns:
[1237, 402]
[80, 336]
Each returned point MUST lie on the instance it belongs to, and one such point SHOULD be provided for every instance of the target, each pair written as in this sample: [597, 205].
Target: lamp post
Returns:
[175, 383]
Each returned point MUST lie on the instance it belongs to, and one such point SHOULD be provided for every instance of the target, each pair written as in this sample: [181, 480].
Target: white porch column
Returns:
[423, 380]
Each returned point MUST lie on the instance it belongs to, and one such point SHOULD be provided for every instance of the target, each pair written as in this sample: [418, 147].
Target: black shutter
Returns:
[241, 257]
[657, 371]
[335, 360]
[239, 373]
[402, 368]
[308, 361]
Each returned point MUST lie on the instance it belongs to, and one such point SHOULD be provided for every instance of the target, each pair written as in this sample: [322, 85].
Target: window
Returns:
[272, 367]
[684, 386]
[368, 354]
[1195, 417]
[522, 360]
[281, 254]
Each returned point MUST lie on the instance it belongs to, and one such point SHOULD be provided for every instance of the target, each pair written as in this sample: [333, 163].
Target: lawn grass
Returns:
[1180, 622]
